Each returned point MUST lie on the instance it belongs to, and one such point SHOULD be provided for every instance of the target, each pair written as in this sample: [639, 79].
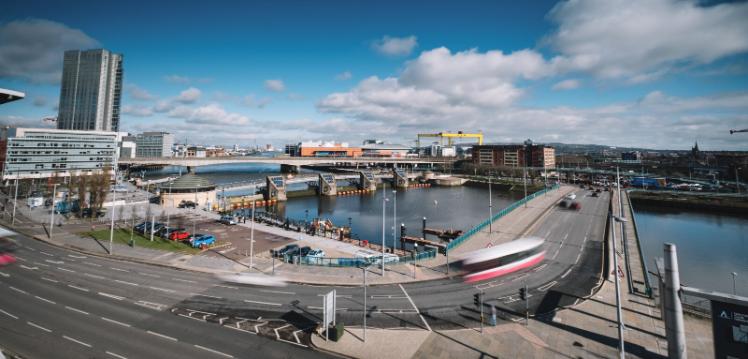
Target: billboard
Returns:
[730, 327]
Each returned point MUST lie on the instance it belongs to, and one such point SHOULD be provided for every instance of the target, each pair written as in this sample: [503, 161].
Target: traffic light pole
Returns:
[481, 312]
[527, 308]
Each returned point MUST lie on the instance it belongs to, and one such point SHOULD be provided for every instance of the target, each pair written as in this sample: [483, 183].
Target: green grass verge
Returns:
[122, 236]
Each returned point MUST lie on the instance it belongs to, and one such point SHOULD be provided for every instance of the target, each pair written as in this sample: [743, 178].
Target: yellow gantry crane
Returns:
[450, 137]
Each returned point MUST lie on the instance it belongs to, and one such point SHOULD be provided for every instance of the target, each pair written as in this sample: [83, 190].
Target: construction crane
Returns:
[743, 130]
[450, 137]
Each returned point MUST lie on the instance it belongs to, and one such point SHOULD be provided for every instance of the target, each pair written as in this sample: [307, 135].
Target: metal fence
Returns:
[465, 236]
[358, 261]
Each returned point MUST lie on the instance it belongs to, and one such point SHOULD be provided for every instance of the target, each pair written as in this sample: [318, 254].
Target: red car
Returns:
[6, 258]
[575, 206]
[179, 235]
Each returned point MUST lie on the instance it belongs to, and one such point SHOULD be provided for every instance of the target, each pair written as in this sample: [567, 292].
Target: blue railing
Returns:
[465, 236]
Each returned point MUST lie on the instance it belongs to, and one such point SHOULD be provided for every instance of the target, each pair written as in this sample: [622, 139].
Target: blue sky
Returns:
[628, 73]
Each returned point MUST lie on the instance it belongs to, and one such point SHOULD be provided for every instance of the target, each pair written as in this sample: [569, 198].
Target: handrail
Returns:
[647, 285]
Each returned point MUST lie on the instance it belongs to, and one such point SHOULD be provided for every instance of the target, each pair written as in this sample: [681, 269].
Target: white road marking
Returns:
[205, 295]
[93, 264]
[214, 351]
[115, 322]
[54, 262]
[566, 273]
[78, 288]
[184, 280]
[39, 327]
[162, 289]
[276, 291]
[540, 268]
[119, 269]
[116, 355]
[66, 270]
[74, 256]
[20, 259]
[265, 303]
[414, 307]
[320, 308]
[224, 286]
[45, 299]
[547, 286]
[6, 275]
[150, 305]
[18, 290]
[566, 236]
[150, 275]
[125, 282]
[27, 267]
[76, 310]
[8, 314]
[93, 276]
[76, 341]
[111, 296]
[162, 335]
[50, 280]
[41, 264]
[578, 255]
[46, 254]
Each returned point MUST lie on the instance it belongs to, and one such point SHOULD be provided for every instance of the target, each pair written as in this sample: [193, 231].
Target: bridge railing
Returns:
[465, 236]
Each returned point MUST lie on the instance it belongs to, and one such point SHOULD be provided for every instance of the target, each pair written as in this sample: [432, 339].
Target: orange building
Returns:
[328, 149]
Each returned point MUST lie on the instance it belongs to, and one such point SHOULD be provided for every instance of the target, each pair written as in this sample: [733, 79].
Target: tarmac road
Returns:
[57, 302]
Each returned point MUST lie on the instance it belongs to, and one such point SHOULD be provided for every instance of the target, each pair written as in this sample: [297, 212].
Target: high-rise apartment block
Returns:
[91, 91]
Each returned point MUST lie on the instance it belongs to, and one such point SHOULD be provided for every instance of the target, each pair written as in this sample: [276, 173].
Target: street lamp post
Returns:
[252, 236]
[394, 220]
[621, 349]
[490, 207]
[52, 216]
[384, 207]
[524, 180]
[734, 288]
[111, 225]
[415, 258]
[364, 269]
[15, 201]
[168, 214]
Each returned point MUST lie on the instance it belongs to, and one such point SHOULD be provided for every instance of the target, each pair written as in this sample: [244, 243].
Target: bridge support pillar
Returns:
[400, 178]
[367, 181]
[289, 168]
[327, 185]
[275, 188]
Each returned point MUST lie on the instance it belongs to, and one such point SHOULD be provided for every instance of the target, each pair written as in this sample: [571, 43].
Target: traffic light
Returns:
[523, 293]
[476, 299]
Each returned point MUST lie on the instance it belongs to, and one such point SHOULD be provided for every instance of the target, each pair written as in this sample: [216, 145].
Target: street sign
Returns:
[328, 311]
[730, 327]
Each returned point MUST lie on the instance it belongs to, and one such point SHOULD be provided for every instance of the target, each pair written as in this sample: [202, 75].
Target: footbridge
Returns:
[275, 186]
[281, 160]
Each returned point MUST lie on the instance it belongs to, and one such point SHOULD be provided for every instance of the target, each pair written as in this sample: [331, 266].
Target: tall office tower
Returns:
[91, 91]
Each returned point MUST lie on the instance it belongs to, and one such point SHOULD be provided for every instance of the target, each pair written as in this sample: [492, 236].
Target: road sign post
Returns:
[328, 311]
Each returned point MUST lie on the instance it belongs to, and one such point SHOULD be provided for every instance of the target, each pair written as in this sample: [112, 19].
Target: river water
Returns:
[710, 245]
[460, 207]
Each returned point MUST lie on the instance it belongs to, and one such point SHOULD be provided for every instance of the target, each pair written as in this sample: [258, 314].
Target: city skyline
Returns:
[279, 73]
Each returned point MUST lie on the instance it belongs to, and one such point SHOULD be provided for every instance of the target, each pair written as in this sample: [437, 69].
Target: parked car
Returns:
[289, 249]
[227, 220]
[594, 194]
[304, 251]
[178, 234]
[146, 228]
[571, 196]
[319, 253]
[187, 204]
[88, 212]
[201, 241]
[564, 204]
[575, 206]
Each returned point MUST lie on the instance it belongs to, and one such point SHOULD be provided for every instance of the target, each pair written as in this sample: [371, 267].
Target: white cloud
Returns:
[177, 79]
[33, 49]
[23, 121]
[211, 114]
[343, 76]
[641, 40]
[395, 46]
[569, 84]
[251, 101]
[275, 85]
[190, 95]
[137, 111]
[138, 93]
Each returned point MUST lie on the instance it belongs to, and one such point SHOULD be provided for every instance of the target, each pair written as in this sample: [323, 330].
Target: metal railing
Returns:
[647, 283]
[465, 236]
